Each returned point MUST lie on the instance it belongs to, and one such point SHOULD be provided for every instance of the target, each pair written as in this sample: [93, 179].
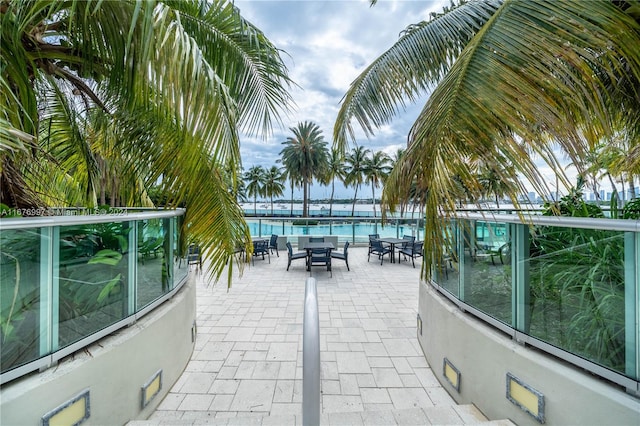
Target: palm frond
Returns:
[243, 58]
[417, 61]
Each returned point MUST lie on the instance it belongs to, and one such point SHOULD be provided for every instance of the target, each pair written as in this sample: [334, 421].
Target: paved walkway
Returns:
[247, 364]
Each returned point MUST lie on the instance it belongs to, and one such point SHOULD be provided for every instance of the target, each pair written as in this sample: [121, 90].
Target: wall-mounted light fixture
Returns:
[151, 388]
[73, 412]
[451, 373]
[525, 397]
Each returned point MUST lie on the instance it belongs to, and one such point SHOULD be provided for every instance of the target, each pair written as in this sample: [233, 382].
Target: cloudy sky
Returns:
[327, 44]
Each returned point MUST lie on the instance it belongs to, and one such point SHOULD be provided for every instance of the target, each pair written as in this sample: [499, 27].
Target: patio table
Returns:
[392, 242]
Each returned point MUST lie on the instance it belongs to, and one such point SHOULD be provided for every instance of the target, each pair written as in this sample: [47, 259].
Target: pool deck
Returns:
[247, 364]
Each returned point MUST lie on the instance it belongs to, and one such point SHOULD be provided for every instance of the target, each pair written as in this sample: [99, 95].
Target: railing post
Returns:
[311, 356]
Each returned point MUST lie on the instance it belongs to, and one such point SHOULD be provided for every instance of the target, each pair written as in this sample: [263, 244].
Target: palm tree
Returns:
[305, 157]
[113, 97]
[354, 169]
[256, 179]
[335, 169]
[376, 170]
[273, 185]
[493, 181]
[512, 77]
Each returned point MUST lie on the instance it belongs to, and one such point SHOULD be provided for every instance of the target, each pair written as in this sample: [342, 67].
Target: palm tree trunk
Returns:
[632, 188]
[333, 188]
[355, 196]
[272, 205]
[291, 197]
[497, 203]
[255, 202]
[305, 194]
[373, 192]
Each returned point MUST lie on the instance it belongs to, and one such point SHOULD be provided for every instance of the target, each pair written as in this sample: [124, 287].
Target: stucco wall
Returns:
[484, 356]
[113, 369]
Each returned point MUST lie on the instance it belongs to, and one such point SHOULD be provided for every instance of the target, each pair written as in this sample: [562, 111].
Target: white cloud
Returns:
[329, 43]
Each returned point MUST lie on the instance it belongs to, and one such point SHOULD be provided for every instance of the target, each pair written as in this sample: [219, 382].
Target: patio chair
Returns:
[414, 251]
[372, 237]
[379, 249]
[321, 257]
[193, 256]
[344, 255]
[317, 240]
[273, 244]
[261, 248]
[410, 239]
[294, 256]
[503, 252]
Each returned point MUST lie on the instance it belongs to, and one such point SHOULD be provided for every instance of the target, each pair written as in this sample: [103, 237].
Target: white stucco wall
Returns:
[484, 356]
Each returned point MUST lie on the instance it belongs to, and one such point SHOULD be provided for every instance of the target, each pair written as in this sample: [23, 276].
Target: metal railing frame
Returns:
[311, 356]
[622, 225]
[76, 217]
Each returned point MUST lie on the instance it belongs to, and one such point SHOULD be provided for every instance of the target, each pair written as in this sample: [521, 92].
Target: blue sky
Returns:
[327, 44]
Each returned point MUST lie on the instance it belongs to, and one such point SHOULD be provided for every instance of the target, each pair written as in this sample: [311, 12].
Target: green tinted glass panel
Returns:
[19, 297]
[577, 292]
[92, 278]
[154, 275]
[180, 266]
[487, 278]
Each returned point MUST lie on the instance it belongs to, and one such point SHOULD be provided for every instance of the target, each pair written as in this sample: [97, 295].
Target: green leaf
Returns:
[106, 257]
[108, 288]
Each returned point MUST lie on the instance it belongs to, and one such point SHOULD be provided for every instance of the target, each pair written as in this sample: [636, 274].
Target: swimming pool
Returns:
[356, 231]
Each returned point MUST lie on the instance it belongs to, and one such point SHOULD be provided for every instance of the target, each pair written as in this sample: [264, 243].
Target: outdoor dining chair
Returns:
[261, 247]
[380, 250]
[294, 256]
[344, 255]
[273, 244]
[414, 251]
[372, 237]
[194, 257]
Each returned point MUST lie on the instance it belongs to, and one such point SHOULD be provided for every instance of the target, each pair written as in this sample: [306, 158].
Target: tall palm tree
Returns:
[255, 178]
[273, 186]
[335, 170]
[516, 78]
[494, 182]
[169, 82]
[376, 170]
[354, 169]
[305, 157]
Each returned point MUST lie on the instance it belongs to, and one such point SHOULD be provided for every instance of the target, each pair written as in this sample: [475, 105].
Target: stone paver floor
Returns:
[248, 354]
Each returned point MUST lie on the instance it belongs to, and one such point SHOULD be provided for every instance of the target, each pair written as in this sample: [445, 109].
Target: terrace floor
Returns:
[247, 364]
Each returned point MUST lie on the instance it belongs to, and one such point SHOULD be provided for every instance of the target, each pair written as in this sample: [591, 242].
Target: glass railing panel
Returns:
[487, 280]
[20, 268]
[577, 292]
[446, 270]
[152, 276]
[355, 230]
[92, 277]
[180, 264]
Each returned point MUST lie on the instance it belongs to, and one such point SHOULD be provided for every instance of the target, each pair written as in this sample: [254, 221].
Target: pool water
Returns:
[344, 231]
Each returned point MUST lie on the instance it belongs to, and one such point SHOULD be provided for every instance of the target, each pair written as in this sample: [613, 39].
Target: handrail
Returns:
[311, 356]
[90, 217]
[605, 224]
